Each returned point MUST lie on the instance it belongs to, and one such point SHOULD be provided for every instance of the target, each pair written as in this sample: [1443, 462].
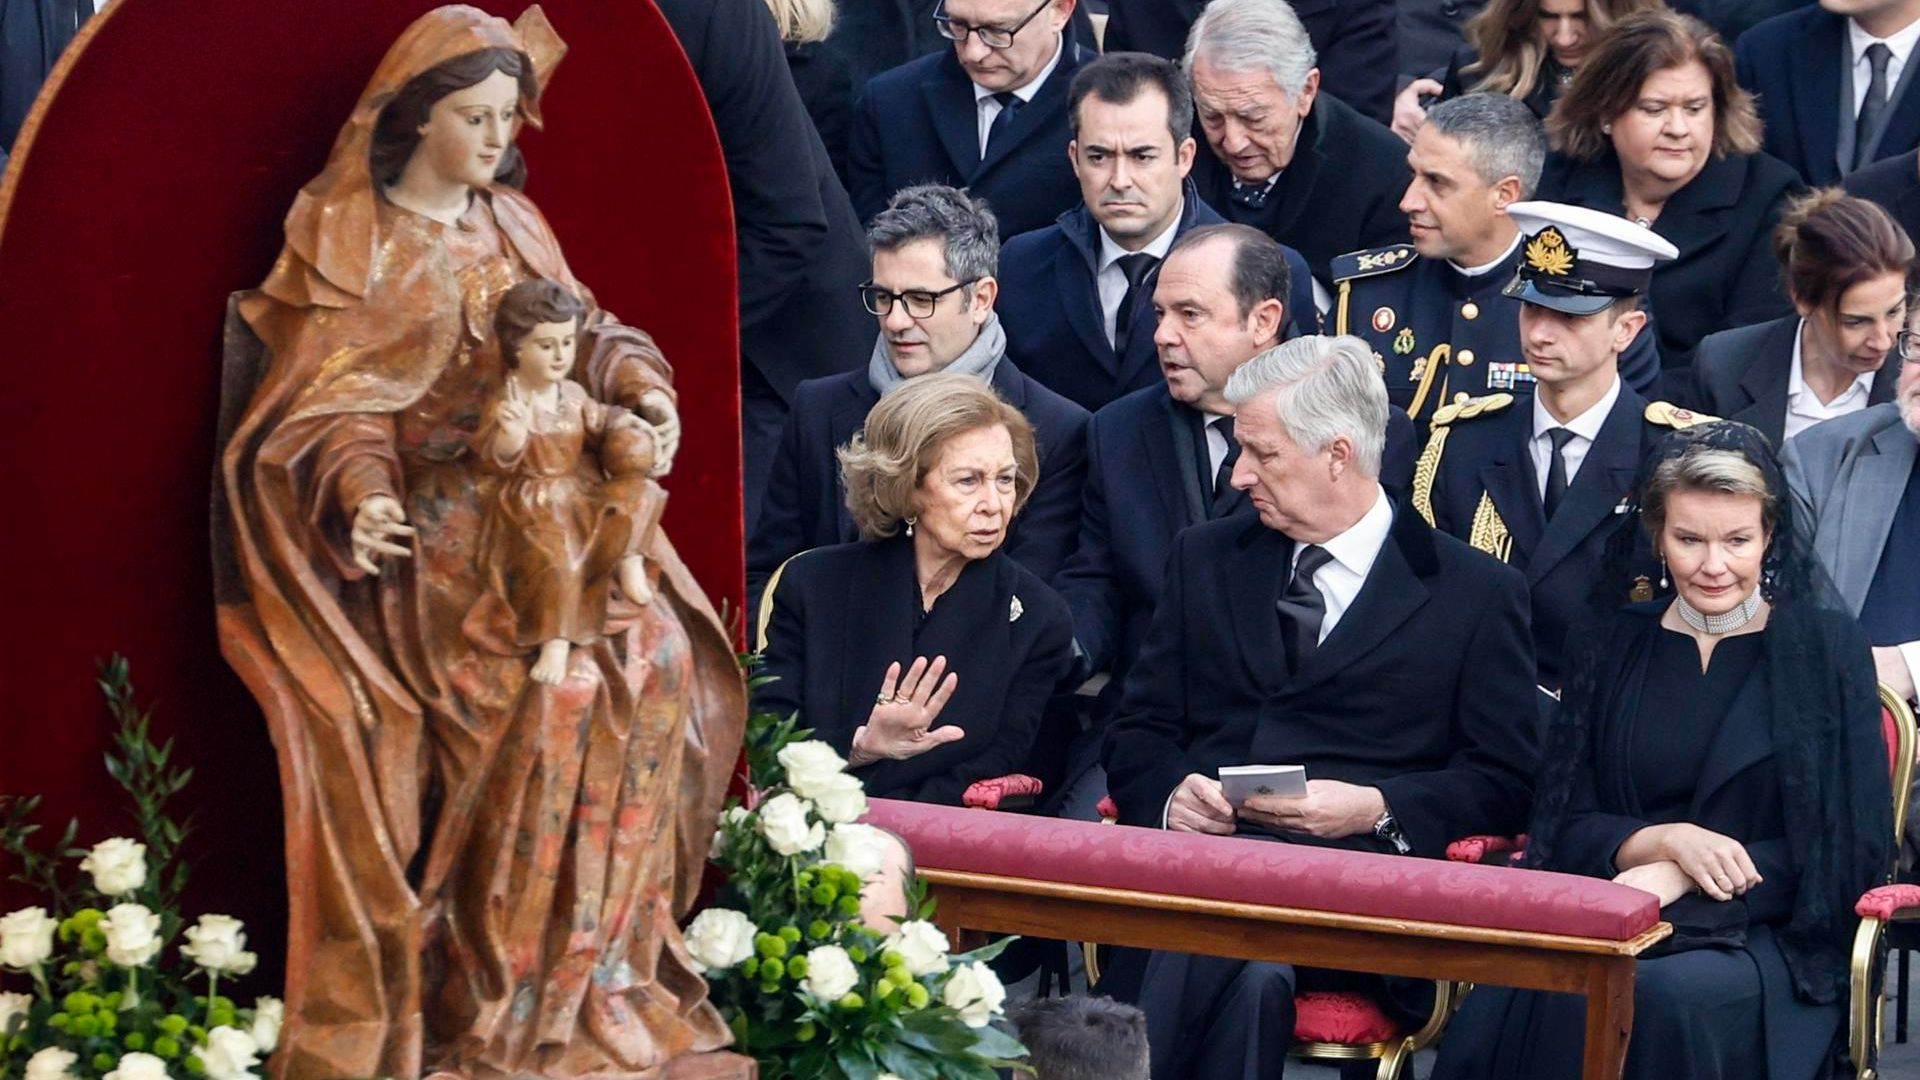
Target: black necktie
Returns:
[1556, 469]
[1251, 196]
[1874, 106]
[1136, 267]
[1009, 105]
[1223, 492]
[1303, 607]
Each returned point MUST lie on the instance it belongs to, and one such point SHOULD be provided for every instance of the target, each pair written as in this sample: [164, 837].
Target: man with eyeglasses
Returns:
[1856, 481]
[935, 253]
[989, 115]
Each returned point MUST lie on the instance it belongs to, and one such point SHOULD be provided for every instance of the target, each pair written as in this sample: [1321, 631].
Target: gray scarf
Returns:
[980, 358]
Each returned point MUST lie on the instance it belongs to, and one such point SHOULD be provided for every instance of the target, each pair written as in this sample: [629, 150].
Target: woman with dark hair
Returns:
[922, 652]
[1845, 263]
[486, 871]
[1721, 749]
[1528, 50]
[1655, 127]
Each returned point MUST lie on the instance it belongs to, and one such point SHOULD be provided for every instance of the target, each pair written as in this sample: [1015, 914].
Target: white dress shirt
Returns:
[1585, 427]
[1353, 553]
[1476, 271]
[989, 108]
[1216, 446]
[1112, 281]
[1900, 45]
[1804, 407]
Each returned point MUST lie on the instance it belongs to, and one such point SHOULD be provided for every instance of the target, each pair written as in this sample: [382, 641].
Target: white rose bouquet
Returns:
[810, 991]
[114, 974]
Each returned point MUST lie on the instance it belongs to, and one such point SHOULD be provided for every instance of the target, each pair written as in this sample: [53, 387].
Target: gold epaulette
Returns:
[1465, 407]
[1380, 260]
[1667, 414]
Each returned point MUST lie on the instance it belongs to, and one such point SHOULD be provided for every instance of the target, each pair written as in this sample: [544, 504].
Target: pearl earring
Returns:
[912, 520]
[1606, 129]
[1663, 571]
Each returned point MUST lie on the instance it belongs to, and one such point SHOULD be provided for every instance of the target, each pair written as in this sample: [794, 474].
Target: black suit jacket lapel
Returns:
[1253, 578]
[1079, 285]
[1815, 71]
[1510, 482]
[955, 114]
[1296, 185]
[1737, 746]
[1389, 596]
[1187, 464]
[1604, 477]
[1034, 116]
[1163, 441]
[1885, 380]
[1765, 381]
[1903, 118]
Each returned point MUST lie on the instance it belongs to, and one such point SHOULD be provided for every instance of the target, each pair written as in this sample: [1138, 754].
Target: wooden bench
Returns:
[1310, 906]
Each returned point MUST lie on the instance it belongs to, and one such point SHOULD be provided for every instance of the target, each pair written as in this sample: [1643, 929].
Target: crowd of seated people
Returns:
[1207, 423]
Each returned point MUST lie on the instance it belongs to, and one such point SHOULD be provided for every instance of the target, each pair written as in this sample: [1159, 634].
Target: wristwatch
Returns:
[1388, 829]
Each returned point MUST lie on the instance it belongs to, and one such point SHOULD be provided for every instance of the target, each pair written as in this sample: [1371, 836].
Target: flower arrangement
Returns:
[105, 998]
[810, 991]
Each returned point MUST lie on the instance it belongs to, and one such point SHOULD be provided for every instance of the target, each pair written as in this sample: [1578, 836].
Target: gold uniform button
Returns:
[1464, 356]
[1469, 310]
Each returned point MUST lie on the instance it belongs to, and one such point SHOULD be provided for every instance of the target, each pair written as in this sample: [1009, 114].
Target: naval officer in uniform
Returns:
[1541, 482]
[1434, 310]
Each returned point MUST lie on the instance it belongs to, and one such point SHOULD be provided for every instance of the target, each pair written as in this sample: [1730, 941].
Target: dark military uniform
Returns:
[1439, 333]
[1477, 481]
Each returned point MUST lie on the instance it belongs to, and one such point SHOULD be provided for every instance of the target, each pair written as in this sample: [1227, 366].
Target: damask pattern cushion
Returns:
[1887, 901]
[1338, 1016]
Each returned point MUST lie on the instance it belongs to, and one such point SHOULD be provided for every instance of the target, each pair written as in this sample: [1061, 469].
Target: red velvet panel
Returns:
[150, 184]
[1256, 872]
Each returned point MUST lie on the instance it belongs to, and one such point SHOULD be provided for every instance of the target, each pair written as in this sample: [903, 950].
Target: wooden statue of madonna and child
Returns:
[505, 715]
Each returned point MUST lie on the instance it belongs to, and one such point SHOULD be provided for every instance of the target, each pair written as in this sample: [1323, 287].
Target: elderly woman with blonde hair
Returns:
[959, 646]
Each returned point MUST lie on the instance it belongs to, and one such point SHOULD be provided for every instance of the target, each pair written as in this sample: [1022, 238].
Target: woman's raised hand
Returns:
[901, 723]
[1408, 113]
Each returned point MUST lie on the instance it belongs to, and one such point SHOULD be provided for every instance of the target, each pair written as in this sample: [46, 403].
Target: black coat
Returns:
[1894, 183]
[806, 508]
[1793, 62]
[1456, 80]
[1487, 457]
[1406, 306]
[33, 34]
[1144, 464]
[1722, 222]
[801, 250]
[841, 614]
[919, 123]
[1741, 374]
[1424, 689]
[1341, 192]
[1431, 31]
[1357, 42]
[1049, 306]
[826, 89]
[872, 36]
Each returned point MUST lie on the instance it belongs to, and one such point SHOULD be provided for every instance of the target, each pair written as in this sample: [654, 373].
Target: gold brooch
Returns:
[1549, 254]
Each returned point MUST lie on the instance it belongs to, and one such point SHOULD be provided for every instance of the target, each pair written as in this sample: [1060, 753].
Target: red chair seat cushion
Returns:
[1887, 900]
[1340, 1016]
[1240, 870]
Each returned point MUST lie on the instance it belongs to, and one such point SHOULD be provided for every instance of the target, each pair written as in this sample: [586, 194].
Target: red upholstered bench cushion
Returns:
[1248, 871]
[1339, 1016]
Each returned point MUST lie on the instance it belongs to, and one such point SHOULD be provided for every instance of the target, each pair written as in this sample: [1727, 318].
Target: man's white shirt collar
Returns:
[1025, 93]
[1357, 547]
[1900, 44]
[1587, 425]
[1158, 247]
[1476, 271]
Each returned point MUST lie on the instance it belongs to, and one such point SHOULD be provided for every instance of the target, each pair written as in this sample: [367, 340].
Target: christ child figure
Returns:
[563, 525]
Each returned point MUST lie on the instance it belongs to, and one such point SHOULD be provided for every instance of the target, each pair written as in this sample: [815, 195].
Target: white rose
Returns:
[12, 1005]
[139, 1067]
[862, 849]
[974, 991]
[26, 938]
[733, 816]
[118, 866]
[783, 821]
[843, 799]
[133, 934]
[811, 766]
[921, 945]
[52, 1063]
[720, 938]
[268, 1014]
[228, 1054]
[219, 943]
[830, 974]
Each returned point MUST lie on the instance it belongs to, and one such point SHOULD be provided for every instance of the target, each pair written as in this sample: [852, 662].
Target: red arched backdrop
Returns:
[148, 184]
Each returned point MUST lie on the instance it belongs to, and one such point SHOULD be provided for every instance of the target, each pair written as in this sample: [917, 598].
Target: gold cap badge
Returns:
[1548, 253]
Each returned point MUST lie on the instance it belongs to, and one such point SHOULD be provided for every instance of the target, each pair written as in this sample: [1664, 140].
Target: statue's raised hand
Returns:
[378, 525]
[656, 407]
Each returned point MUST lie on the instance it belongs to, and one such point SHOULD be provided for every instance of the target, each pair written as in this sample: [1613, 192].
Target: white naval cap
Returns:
[1579, 260]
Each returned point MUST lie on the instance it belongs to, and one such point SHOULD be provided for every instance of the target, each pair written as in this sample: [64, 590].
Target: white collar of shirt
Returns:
[1901, 45]
[1354, 552]
[1585, 427]
[1476, 271]
[1111, 281]
[988, 108]
[1804, 407]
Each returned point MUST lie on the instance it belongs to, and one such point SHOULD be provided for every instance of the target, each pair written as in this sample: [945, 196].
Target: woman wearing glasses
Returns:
[922, 652]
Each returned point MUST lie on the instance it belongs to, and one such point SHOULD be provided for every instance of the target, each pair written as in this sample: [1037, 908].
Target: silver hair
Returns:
[1326, 387]
[1253, 35]
[964, 225]
[1501, 135]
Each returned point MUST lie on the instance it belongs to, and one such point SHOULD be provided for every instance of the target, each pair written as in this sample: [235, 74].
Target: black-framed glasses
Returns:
[920, 302]
[993, 37]
[1907, 346]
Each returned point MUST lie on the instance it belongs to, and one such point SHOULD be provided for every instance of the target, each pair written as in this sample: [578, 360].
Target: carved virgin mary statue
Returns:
[484, 870]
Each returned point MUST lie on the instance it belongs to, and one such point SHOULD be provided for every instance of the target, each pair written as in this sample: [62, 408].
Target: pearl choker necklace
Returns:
[1722, 623]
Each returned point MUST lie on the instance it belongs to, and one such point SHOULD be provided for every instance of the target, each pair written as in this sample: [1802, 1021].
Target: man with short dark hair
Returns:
[1433, 309]
[933, 288]
[1076, 294]
[988, 115]
[1082, 1038]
